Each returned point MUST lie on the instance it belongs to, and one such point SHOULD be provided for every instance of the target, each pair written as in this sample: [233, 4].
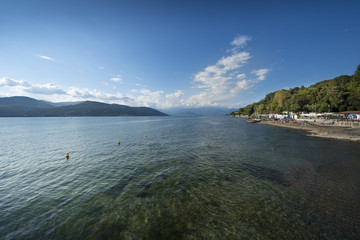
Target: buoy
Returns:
[118, 142]
[67, 156]
[145, 134]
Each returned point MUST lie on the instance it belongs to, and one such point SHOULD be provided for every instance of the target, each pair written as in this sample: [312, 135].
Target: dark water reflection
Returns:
[213, 178]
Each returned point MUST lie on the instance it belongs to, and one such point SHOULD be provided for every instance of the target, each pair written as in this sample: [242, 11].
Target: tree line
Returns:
[336, 95]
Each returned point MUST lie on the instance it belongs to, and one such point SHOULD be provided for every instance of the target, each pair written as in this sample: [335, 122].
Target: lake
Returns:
[201, 178]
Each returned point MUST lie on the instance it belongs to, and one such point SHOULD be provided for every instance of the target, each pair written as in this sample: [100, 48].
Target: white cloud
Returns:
[84, 93]
[116, 79]
[23, 86]
[177, 94]
[81, 94]
[46, 58]
[46, 89]
[219, 82]
[200, 100]
[157, 99]
[173, 99]
[240, 41]
[234, 61]
[147, 98]
[8, 82]
[140, 85]
[12, 87]
[241, 75]
[224, 80]
[241, 86]
[261, 73]
[217, 76]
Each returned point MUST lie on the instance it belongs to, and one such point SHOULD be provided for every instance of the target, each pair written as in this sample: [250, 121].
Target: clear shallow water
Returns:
[203, 178]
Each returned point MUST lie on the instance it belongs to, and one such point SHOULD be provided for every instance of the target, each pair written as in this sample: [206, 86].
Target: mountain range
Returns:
[29, 107]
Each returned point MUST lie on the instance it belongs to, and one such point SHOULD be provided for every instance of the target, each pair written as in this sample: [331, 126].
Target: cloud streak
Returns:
[46, 89]
[240, 41]
[117, 79]
[8, 82]
[261, 73]
[22, 87]
[46, 58]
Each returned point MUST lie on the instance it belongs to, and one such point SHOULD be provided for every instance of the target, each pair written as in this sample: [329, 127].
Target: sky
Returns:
[169, 54]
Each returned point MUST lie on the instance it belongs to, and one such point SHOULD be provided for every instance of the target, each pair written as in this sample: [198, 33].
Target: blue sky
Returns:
[166, 54]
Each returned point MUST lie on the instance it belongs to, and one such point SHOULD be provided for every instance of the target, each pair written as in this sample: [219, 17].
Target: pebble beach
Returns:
[325, 131]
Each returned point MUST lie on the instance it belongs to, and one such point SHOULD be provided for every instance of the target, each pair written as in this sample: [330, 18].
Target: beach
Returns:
[325, 131]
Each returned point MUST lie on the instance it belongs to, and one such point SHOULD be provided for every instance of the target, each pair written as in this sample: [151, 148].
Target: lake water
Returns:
[203, 178]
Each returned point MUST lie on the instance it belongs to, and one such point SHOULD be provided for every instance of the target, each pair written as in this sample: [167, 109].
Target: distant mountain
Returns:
[61, 104]
[29, 107]
[186, 113]
[90, 108]
[202, 111]
[18, 106]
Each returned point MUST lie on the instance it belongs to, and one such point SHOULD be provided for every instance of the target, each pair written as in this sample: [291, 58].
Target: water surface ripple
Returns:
[202, 178]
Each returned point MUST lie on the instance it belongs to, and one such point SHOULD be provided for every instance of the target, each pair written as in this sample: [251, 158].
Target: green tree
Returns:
[260, 108]
[338, 94]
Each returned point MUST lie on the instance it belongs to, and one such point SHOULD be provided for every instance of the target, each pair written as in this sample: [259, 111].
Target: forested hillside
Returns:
[339, 94]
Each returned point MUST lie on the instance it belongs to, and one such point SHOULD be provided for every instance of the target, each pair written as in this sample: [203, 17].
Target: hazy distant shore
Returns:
[334, 132]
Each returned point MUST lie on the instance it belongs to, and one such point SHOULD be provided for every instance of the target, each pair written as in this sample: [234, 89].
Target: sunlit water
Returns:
[203, 178]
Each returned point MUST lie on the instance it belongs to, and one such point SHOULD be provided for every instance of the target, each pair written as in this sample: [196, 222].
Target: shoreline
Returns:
[332, 132]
